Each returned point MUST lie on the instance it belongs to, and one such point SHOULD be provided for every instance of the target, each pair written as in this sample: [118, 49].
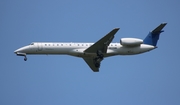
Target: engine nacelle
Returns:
[131, 42]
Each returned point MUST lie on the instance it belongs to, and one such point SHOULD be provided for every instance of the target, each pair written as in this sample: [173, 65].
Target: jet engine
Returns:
[131, 42]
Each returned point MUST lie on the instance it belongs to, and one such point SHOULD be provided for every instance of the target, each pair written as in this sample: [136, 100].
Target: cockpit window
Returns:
[32, 44]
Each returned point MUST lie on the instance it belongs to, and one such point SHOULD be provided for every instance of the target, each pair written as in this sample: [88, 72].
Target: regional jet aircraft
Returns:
[94, 53]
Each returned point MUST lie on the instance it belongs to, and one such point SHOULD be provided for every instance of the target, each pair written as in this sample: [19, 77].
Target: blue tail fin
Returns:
[153, 36]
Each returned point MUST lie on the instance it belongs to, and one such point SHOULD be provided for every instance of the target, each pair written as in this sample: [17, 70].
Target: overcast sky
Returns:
[151, 78]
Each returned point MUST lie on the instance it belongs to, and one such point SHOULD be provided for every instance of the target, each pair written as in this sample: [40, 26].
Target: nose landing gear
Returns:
[22, 54]
[25, 58]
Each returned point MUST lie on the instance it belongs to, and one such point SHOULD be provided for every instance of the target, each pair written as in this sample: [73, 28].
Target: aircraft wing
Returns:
[90, 62]
[103, 43]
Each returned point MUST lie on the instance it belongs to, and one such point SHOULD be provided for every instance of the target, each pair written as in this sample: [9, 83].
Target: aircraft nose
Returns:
[22, 49]
[15, 51]
[18, 50]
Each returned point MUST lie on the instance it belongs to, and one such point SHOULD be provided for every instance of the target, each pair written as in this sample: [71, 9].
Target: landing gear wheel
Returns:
[99, 54]
[96, 62]
[25, 59]
[98, 59]
[97, 65]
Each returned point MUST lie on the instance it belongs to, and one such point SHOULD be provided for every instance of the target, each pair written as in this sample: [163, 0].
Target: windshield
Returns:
[32, 44]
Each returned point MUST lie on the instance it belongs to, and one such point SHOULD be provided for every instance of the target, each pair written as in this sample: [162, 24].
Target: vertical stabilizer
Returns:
[153, 36]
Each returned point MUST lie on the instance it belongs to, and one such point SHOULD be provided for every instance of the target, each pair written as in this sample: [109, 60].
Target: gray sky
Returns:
[151, 78]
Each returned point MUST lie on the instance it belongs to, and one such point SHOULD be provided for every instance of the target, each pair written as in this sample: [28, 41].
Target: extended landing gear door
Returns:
[40, 47]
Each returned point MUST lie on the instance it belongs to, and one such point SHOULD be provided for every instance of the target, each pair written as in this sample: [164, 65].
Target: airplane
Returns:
[94, 53]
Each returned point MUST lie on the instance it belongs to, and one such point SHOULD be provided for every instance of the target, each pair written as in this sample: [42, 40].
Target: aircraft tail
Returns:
[153, 36]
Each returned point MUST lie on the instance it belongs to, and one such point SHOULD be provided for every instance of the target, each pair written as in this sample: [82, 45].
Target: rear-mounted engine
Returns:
[131, 42]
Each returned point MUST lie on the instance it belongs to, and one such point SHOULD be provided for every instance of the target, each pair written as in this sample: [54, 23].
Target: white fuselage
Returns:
[94, 53]
[77, 49]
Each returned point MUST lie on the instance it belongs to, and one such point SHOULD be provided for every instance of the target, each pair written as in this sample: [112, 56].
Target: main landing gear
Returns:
[98, 59]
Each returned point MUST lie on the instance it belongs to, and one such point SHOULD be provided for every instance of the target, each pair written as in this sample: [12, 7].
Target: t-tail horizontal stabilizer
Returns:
[153, 36]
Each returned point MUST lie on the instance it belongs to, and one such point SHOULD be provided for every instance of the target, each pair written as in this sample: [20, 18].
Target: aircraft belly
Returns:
[82, 54]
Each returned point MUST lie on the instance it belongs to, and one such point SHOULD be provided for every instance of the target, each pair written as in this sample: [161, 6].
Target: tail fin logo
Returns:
[153, 36]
